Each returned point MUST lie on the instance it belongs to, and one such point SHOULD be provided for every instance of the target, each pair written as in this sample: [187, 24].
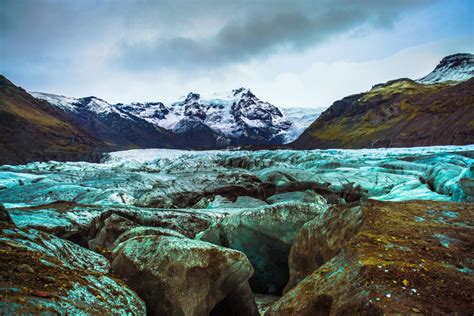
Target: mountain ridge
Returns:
[236, 119]
[32, 130]
[434, 110]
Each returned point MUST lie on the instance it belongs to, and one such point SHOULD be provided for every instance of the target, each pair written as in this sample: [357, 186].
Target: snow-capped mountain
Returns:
[215, 121]
[91, 103]
[238, 117]
[110, 123]
[457, 67]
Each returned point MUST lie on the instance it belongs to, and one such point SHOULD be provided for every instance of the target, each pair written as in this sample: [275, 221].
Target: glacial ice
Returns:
[172, 178]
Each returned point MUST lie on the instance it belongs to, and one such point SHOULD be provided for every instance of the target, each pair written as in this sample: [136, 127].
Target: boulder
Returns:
[265, 236]
[383, 258]
[42, 274]
[179, 276]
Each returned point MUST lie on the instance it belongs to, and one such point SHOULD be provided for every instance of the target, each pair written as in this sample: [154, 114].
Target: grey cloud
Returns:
[151, 35]
[265, 27]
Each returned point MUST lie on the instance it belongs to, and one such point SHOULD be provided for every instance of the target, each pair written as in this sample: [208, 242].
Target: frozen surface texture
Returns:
[203, 230]
[180, 179]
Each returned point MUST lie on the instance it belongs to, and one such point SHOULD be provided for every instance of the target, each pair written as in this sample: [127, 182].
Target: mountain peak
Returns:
[242, 92]
[192, 97]
[457, 67]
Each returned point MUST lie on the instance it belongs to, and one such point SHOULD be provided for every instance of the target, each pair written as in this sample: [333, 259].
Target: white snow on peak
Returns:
[70, 104]
[458, 67]
[60, 101]
[225, 113]
[229, 113]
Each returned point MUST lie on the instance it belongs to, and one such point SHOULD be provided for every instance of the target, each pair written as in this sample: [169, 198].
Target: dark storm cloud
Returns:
[174, 34]
[262, 28]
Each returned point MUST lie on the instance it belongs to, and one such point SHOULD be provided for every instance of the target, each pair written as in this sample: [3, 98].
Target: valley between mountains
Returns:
[399, 113]
[229, 205]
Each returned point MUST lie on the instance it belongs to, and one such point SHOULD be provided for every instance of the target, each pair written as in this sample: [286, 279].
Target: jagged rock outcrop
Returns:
[42, 274]
[113, 227]
[321, 240]
[273, 229]
[117, 229]
[383, 258]
[179, 276]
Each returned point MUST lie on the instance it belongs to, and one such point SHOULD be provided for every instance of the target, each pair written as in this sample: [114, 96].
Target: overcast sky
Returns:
[290, 53]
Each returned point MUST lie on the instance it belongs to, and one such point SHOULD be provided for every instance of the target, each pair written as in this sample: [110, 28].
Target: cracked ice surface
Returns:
[166, 178]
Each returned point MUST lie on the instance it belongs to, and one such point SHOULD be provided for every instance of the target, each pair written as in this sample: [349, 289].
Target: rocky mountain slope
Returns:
[402, 113]
[32, 130]
[118, 129]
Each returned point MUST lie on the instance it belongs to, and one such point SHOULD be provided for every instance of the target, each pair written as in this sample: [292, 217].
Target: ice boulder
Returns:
[180, 276]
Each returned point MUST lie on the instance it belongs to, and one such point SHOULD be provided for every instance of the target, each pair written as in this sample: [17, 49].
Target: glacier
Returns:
[178, 178]
[244, 206]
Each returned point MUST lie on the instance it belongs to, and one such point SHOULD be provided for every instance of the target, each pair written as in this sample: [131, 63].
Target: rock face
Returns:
[383, 258]
[400, 113]
[273, 229]
[177, 276]
[42, 274]
[320, 240]
[117, 229]
[114, 226]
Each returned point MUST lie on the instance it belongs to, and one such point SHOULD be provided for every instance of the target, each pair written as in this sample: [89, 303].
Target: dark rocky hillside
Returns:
[32, 130]
[400, 113]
